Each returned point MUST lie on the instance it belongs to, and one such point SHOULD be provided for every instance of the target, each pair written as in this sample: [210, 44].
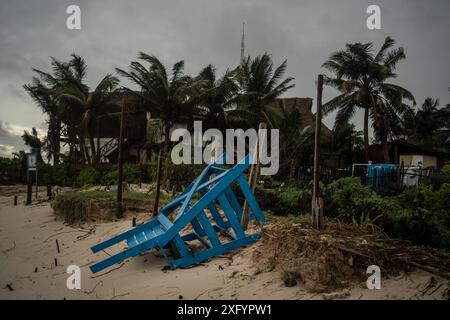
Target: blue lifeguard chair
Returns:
[207, 210]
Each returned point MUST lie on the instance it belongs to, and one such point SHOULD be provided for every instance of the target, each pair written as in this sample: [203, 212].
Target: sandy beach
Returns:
[28, 251]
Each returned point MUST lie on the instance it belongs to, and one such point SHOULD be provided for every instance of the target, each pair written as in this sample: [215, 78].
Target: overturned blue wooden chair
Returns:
[185, 219]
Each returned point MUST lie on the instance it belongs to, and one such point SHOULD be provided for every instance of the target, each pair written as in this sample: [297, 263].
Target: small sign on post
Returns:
[31, 161]
[31, 166]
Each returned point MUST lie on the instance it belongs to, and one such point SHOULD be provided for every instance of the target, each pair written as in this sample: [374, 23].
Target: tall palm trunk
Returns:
[93, 151]
[165, 174]
[84, 154]
[384, 142]
[366, 133]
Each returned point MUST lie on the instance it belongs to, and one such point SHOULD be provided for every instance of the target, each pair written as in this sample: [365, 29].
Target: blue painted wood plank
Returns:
[140, 237]
[234, 203]
[225, 181]
[200, 179]
[197, 227]
[123, 236]
[209, 253]
[224, 232]
[206, 224]
[165, 222]
[253, 204]
[132, 241]
[231, 215]
[131, 252]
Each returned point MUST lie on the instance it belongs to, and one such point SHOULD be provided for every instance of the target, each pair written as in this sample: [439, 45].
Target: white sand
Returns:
[27, 241]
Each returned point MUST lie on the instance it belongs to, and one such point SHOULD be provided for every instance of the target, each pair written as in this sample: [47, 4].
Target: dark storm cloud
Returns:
[207, 31]
[10, 141]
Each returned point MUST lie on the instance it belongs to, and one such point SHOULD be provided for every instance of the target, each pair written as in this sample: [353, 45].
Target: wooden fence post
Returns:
[317, 201]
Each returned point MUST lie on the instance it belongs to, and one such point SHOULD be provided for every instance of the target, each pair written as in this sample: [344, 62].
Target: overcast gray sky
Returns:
[209, 31]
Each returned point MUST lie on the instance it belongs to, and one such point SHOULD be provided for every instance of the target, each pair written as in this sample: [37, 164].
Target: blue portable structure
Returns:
[169, 230]
[379, 175]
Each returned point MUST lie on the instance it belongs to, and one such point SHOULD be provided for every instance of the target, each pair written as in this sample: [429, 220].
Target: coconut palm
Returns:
[429, 125]
[93, 105]
[296, 139]
[347, 142]
[215, 98]
[32, 140]
[44, 98]
[48, 85]
[260, 85]
[170, 97]
[361, 77]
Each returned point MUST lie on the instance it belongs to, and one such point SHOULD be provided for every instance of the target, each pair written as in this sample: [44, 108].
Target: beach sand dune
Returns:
[28, 249]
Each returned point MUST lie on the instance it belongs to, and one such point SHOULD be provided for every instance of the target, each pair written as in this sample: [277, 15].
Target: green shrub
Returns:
[284, 201]
[54, 175]
[88, 176]
[349, 200]
[78, 206]
[446, 171]
[75, 206]
[109, 178]
[424, 217]
[131, 172]
[179, 176]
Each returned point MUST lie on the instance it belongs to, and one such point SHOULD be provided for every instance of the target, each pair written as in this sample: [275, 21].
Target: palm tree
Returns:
[260, 85]
[346, 141]
[48, 85]
[32, 140]
[93, 105]
[429, 125]
[169, 96]
[216, 97]
[361, 77]
[44, 97]
[296, 139]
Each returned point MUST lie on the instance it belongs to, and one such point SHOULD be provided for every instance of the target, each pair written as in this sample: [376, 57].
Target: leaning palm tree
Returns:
[169, 96]
[43, 95]
[361, 77]
[93, 104]
[260, 85]
[32, 140]
[46, 87]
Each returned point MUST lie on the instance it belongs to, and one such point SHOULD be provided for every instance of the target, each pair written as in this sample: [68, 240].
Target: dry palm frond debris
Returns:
[335, 257]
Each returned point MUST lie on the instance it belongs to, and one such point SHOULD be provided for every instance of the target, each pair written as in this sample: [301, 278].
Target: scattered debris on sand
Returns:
[333, 259]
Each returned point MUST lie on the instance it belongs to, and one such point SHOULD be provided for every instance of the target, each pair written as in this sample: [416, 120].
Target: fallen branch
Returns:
[429, 269]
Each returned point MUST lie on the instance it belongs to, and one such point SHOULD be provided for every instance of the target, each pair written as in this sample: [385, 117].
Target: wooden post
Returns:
[15, 200]
[119, 211]
[29, 188]
[252, 179]
[36, 177]
[49, 192]
[317, 201]
[158, 182]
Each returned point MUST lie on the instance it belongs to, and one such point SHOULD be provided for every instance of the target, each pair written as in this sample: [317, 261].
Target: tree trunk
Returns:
[53, 135]
[165, 172]
[158, 184]
[84, 154]
[93, 152]
[166, 137]
[366, 133]
[384, 142]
